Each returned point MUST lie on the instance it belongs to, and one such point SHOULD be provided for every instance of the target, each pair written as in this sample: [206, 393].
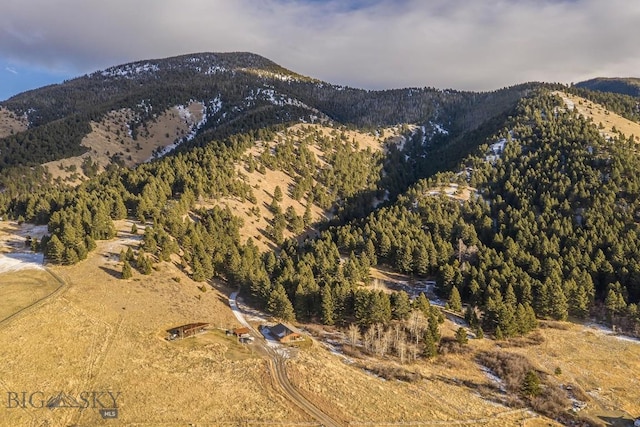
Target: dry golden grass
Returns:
[105, 333]
[350, 394]
[604, 367]
[20, 290]
[10, 123]
[264, 184]
[110, 136]
[599, 114]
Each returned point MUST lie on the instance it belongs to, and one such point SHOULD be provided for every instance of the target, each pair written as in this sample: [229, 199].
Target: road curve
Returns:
[279, 372]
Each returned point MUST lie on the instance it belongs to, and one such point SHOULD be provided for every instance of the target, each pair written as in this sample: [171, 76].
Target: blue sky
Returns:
[461, 44]
[16, 78]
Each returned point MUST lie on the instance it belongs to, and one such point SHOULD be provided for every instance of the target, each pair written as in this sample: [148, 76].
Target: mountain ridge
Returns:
[242, 91]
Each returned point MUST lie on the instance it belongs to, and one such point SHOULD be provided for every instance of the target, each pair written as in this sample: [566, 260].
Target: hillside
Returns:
[489, 221]
[610, 124]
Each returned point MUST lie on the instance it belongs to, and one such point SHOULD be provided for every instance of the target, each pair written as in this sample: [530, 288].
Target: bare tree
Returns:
[398, 335]
[414, 350]
[383, 340]
[417, 324]
[401, 349]
[369, 338]
[353, 334]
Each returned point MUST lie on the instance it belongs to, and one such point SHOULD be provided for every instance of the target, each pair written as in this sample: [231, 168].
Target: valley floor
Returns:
[103, 334]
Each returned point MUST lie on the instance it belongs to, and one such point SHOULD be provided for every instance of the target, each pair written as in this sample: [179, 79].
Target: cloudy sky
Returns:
[461, 44]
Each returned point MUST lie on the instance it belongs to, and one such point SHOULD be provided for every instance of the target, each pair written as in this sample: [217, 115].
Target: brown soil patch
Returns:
[111, 136]
[10, 123]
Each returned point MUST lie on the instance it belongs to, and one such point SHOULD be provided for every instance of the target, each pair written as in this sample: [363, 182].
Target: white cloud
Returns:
[385, 43]
[11, 70]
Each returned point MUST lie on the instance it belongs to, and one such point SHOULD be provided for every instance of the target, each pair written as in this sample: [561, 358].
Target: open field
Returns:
[20, 291]
[105, 333]
[603, 366]
[365, 399]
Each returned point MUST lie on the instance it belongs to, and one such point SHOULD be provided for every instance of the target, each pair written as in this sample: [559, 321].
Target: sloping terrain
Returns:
[111, 141]
[104, 333]
[11, 123]
[539, 221]
[625, 86]
[257, 213]
[609, 123]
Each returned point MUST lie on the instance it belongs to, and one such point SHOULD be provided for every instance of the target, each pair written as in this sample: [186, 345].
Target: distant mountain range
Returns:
[624, 86]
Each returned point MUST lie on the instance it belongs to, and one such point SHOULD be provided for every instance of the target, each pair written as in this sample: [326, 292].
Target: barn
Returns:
[285, 333]
[187, 330]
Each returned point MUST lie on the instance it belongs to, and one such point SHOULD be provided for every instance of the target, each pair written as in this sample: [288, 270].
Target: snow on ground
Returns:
[439, 128]
[214, 106]
[233, 302]
[605, 330]
[14, 253]
[494, 378]
[130, 70]
[21, 261]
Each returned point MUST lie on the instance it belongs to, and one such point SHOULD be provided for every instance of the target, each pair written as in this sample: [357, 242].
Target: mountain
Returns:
[522, 203]
[624, 86]
[263, 145]
[235, 92]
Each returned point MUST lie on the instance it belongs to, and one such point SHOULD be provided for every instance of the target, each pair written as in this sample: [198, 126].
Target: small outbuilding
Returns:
[187, 330]
[285, 333]
[242, 332]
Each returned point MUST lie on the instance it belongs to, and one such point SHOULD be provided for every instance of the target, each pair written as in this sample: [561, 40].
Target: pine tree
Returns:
[328, 315]
[307, 218]
[55, 250]
[430, 344]
[279, 305]
[559, 308]
[531, 384]
[127, 272]
[400, 305]
[422, 303]
[461, 336]
[455, 303]
[134, 228]
[277, 194]
[370, 250]
[70, 256]
[300, 302]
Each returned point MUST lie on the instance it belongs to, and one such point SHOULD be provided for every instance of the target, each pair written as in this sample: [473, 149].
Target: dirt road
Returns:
[278, 370]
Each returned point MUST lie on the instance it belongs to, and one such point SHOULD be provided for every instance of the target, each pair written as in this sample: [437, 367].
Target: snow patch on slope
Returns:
[214, 106]
[130, 70]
